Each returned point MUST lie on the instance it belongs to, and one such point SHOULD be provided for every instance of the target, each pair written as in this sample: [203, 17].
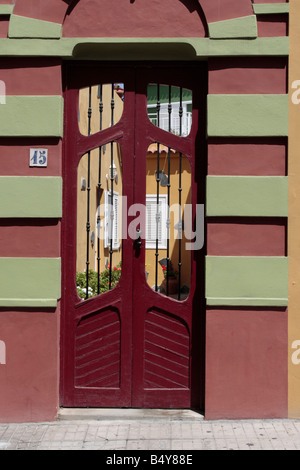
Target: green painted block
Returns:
[271, 8]
[136, 48]
[247, 115]
[32, 116]
[247, 281]
[260, 47]
[30, 282]
[247, 196]
[6, 10]
[23, 27]
[245, 27]
[30, 197]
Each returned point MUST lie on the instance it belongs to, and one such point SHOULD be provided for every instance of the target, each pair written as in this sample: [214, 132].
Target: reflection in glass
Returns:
[99, 221]
[100, 107]
[170, 108]
[168, 190]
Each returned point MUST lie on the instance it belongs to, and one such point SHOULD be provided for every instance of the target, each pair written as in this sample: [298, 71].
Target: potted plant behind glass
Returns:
[170, 283]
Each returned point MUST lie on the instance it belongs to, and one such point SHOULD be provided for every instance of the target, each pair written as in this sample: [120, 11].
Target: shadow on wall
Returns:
[72, 4]
[135, 51]
[193, 5]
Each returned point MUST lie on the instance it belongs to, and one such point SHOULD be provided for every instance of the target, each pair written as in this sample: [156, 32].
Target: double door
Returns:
[133, 271]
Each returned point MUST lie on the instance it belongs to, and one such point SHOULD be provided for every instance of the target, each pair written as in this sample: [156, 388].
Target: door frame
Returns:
[200, 171]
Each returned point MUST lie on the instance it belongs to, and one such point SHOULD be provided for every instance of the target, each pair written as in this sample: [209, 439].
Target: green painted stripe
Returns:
[32, 116]
[6, 10]
[42, 303]
[23, 27]
[30, 282]
[271, 8]
[247, 115]
[30, 197]
[245, 302]
[245, 27]
[144, 48]
[259, 47]
[248, 281]
[248, 196]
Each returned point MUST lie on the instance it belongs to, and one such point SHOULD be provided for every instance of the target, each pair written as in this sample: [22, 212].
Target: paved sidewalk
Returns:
[152, 430]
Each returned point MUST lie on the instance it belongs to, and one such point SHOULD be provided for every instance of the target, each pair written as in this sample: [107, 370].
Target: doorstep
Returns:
[127, 414]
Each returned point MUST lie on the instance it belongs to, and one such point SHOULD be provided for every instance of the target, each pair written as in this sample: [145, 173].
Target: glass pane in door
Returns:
[99, 220]
[170, 108]
[100, 107]
[168, 196]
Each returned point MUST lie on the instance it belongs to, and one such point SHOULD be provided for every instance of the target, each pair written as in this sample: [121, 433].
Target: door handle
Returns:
[138, 240]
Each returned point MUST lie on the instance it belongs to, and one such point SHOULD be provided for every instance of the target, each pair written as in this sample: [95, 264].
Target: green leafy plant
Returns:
[116, 272]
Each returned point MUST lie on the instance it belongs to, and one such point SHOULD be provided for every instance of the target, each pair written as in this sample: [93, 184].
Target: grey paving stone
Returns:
[181, 431]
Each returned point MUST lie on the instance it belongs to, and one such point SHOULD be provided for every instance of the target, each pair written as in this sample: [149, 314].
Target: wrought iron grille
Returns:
[101, 113]
[165, 116]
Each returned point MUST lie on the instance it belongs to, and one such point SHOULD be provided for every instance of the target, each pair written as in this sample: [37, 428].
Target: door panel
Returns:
[134, 344]
[167, 352]
[98, 350]
[88, 324]
[165, 323]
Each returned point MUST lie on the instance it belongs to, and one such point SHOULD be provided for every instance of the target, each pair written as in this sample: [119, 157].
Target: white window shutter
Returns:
[106, 219]
[111, 220]
[116, 224]
[154, 217]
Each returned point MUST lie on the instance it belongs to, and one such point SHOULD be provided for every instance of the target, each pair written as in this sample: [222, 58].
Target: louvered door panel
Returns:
[167, 352]
[98, 354]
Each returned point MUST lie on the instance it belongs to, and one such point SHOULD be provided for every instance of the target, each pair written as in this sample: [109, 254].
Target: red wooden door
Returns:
[134, 345]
